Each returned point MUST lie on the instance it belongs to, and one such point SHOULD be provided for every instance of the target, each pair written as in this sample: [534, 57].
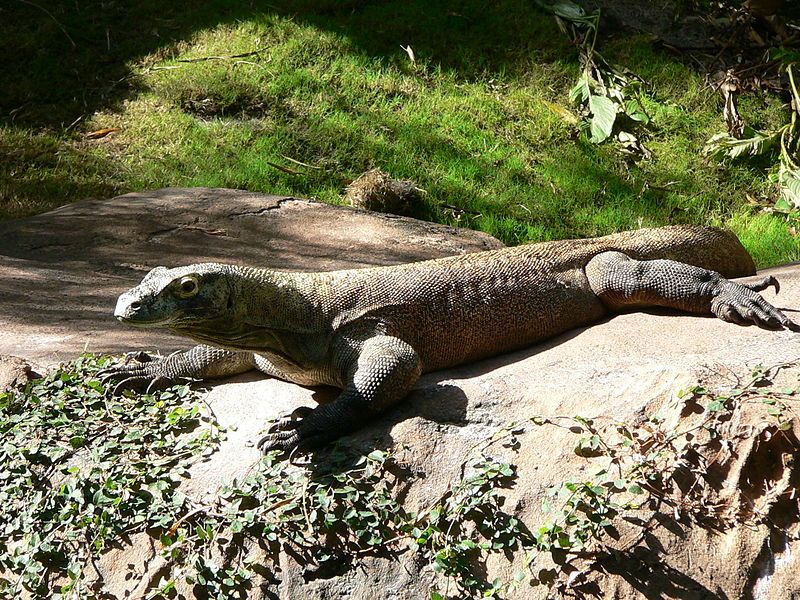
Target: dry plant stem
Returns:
[49, 14]
[203, 58]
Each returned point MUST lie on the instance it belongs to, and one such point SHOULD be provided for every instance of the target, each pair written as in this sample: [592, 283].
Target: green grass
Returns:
[469, 121]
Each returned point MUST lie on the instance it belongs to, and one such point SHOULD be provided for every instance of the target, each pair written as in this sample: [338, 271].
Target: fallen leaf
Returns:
[101, 133]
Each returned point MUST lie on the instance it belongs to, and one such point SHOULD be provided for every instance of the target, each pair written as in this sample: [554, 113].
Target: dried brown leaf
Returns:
[101, 133]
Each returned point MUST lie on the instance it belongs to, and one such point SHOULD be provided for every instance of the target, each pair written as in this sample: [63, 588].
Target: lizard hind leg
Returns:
[384, 371]
[622, 282]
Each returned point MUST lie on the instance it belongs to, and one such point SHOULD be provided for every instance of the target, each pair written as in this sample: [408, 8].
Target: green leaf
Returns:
[581, 91]
[377, 455]
[506, 470]
[755, 143]
[789, 179]
[635, 110]
[604, 113]
[568, 10]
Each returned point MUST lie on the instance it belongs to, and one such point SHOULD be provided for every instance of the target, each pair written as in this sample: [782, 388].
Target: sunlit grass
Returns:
[470, 121]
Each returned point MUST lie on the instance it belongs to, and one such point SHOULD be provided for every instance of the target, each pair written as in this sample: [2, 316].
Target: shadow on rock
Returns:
[655, 579]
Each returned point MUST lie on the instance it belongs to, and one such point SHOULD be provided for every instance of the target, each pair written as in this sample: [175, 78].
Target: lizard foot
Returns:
[291, 432]
[138, 371]
[741, 304]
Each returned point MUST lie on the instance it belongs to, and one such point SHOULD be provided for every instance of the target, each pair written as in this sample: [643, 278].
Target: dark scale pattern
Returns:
[372, 331]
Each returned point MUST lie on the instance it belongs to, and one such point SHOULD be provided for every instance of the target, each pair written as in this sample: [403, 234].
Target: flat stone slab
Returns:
[62, 271]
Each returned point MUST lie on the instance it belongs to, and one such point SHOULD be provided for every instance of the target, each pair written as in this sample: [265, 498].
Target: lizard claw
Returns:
[287, 422]
[764, 283]
[158, 383]
[287, 432]
[129, 383]
[279, 440]
[138, 358]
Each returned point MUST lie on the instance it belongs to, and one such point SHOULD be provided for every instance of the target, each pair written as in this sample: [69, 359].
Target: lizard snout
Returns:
[125, 309]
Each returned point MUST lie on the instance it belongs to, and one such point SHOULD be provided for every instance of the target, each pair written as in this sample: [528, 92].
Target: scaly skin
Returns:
[371, 332]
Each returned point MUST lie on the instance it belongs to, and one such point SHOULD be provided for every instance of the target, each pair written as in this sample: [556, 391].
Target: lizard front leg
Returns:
[622, 282]
[383, 372]
[200, 362]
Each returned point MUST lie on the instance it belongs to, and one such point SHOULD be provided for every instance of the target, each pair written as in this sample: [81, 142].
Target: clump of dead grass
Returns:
[376, 190]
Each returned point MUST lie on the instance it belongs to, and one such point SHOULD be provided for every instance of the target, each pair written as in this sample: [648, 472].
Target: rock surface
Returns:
[621, 370]
[14, 372]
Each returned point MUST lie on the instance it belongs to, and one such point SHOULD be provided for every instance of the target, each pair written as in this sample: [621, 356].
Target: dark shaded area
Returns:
[68, 58]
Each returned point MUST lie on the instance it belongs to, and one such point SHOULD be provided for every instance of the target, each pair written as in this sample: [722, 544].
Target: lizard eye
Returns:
[188, 286]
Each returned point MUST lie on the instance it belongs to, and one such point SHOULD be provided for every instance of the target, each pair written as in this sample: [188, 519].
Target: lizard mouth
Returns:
[137, 322]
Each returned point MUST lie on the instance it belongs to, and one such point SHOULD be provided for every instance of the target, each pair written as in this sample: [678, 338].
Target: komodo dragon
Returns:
[373, 331]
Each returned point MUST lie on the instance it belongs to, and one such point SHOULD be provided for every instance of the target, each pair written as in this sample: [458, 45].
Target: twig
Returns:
[281, 168]
[202, 58]
[303, 500]
[251, 63]
[70, 126]
[297, 162]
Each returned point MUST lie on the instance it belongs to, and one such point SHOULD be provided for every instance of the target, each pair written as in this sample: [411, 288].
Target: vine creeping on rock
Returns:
[81, 471]
[669, 462]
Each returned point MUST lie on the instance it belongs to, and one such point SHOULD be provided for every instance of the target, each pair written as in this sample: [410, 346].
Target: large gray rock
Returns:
[621, 370]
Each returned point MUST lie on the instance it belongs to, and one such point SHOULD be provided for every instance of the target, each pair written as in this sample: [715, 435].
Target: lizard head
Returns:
[175, 297]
